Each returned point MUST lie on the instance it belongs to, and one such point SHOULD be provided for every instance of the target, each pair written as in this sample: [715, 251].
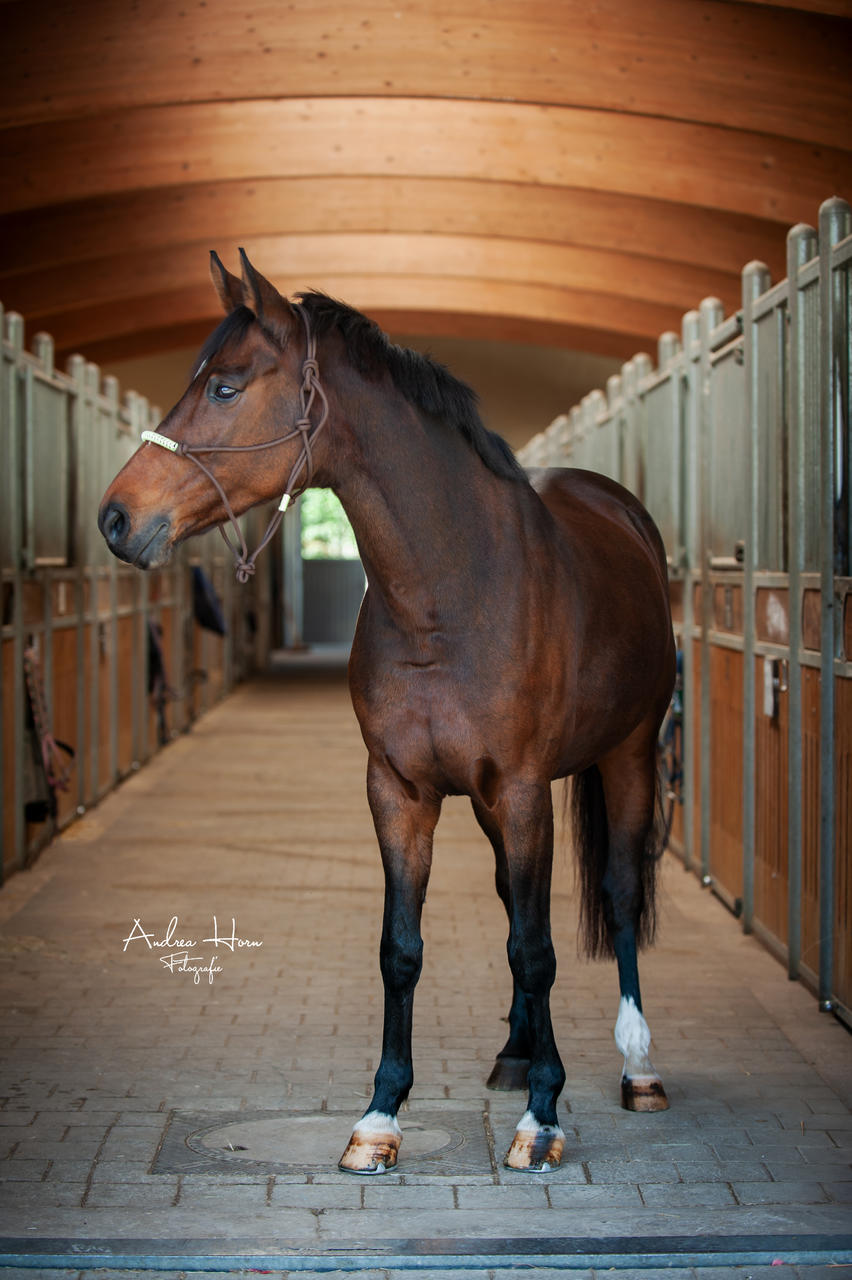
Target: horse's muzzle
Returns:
[146, 547]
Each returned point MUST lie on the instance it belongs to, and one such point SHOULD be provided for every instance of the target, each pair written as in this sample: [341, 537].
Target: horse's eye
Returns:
[222, 391]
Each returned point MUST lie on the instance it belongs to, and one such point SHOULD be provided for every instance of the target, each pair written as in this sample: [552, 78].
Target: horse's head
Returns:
[216, 449]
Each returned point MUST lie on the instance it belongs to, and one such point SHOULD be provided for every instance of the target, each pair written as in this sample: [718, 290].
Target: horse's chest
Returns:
[432, 725]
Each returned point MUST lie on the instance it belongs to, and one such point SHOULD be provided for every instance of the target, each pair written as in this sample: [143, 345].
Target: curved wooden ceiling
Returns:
[566, 172]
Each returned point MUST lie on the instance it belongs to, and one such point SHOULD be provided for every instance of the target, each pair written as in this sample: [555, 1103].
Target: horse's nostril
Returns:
[114, 523]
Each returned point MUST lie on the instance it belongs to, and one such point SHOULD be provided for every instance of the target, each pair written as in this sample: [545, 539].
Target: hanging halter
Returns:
[311, 387]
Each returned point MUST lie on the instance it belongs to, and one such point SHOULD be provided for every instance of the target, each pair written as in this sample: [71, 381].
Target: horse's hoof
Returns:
[643, 1093]
[508, 1073]
[373, 1147]
[536, 1148]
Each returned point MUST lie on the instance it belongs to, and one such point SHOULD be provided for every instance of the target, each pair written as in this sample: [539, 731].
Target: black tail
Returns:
[591, 841]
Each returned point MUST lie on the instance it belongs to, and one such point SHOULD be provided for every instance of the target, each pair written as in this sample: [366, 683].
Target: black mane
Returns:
[427, 384]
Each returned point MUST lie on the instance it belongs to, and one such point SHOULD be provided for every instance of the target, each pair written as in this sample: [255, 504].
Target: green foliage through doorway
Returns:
[326, 531]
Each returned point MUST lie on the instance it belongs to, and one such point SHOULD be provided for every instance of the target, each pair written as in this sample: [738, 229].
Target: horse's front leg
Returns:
[512, 1063]
[525, 816]
[405, 822]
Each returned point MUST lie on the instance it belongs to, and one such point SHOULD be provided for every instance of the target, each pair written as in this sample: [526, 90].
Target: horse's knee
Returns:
[401, 959]
[533, 963]
[546, 1077]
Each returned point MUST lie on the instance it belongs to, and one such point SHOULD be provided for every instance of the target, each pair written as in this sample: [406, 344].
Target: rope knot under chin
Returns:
[245, 570]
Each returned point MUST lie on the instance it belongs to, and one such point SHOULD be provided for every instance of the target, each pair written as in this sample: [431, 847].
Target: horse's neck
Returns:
[428, 515]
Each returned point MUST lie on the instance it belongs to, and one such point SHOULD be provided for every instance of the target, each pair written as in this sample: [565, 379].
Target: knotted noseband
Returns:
[311, 387]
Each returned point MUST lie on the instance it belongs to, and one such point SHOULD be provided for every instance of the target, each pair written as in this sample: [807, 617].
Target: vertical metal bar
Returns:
[96, 453]
[25, 374]
[13, 706]
[644, 366]
[624, 475]
[834, 225]
[47, 659]
[5, 565]
[691, 514]
[144, 748]
[15, 337]
[42, 346]
[142, 674]
[80, 552]
[668, 362]
[110, 394]
[755, 281]
[139, 660]
[711, 314]
[137, 665]
[614, 394]
[801, 247]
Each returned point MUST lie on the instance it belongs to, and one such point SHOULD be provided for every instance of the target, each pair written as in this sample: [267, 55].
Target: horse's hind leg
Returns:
[405, 823]
[512, 1063]
[628, 776]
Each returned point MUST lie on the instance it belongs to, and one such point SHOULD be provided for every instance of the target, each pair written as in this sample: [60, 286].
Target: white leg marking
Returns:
[373, 1146]
[536, 1148]
[633, 1039]
[377, 1122]
[529, 1124]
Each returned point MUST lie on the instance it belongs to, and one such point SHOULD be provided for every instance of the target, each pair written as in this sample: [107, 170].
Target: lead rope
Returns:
[56, 771]
[310, 389]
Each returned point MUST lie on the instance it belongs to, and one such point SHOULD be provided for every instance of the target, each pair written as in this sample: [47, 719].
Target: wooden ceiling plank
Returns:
[217, 213]
[530, 303]
[737, 65]
[314, 258]
[151, 147]
[422, 324]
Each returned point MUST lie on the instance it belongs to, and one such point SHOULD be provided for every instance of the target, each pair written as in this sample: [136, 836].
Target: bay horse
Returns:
[512, 633]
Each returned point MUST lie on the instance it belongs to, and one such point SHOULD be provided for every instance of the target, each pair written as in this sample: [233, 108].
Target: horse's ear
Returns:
[228, 287]
[273, 312]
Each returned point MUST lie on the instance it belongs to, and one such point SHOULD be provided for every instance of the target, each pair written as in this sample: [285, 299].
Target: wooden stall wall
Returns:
[739, 442]
[84, 623]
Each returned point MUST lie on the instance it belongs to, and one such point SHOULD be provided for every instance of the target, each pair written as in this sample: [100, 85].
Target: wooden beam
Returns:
[523, 304]
[423, 324]
[739, 65]
[716, 168]
[313, 259]
[219, 213]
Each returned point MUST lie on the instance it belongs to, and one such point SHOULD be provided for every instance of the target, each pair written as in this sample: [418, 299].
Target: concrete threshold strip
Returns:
[568, 1253]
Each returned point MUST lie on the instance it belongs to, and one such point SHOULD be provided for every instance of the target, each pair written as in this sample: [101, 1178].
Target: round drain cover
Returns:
[307, 1139]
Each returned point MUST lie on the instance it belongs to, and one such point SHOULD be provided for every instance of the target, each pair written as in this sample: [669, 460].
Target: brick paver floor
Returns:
[160, 1117]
